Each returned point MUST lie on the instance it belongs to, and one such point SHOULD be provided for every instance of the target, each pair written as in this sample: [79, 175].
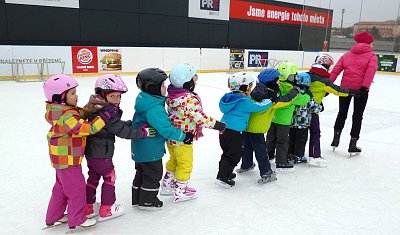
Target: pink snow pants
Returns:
[69, 192]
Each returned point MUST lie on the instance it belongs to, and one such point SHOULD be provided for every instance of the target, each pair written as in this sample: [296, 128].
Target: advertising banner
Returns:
[257, 59]
[276, 14]
[236, 60]
[84, 59]
[387, 63]
[50, 3]
[209, 9]
[110, 59]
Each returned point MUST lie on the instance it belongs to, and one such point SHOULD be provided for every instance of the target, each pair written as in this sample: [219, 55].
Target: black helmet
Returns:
[150, 80]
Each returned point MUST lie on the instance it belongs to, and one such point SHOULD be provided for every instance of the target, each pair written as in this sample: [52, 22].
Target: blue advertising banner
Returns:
[257, 59]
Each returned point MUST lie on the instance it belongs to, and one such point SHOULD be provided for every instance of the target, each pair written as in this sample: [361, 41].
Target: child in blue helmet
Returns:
[259, 123]
[301, 121]
[236, 107]
[185, 112]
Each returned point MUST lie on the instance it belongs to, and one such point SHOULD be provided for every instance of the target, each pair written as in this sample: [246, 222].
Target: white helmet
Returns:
[181, 74]
[240, 81]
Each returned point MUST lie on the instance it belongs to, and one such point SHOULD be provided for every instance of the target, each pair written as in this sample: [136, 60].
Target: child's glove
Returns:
[148, 131]
[363, 91]
[220, 126]
[355, 93]
[108, 112]
[189, 138]
[95, 104]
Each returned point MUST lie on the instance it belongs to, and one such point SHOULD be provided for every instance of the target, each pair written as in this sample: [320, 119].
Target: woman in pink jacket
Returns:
[359, 66]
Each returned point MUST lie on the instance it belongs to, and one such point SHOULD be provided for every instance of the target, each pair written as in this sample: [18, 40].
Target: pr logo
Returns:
[210, 5]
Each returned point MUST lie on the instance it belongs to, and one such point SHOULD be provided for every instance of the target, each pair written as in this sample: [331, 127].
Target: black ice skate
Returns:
[353, 149]
[336, 139]
[156, 205]
[267, 178]
[285, 167]
[226, 183]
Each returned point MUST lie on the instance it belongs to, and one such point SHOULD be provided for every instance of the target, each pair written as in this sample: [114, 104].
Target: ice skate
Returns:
[166, 187]
[225, 183]
[92, 210]
[61, 221]
[151, 206]
[87, 224]
[353, 149]
[241, 170]
[183, 192]
[317, 162]
[336, 139]
[267, 178]
[285, 167]
[107, 212]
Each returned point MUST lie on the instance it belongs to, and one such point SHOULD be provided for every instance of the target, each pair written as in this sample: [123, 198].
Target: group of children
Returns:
[283, 103]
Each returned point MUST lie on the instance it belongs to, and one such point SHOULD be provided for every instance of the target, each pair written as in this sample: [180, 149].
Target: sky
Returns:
[358, 195]
[372, 10]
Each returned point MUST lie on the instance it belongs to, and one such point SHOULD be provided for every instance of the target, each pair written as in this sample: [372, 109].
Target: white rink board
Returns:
[139, 58]
[214, 59]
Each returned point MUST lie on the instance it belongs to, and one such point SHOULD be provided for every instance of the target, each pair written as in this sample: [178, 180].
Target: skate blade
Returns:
[354, 154]
[79, 229]
[101, 219]
[150, 208]
[184, 199]
[318, 165]
[92, 215]
[333, 148]
[166, 192]
[223, 184]
[56, 224]
[285, 170]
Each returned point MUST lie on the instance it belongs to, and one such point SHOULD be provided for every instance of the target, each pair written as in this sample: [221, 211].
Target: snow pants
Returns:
[231, 143]
[68, 193]
[255, 142]
[314, 145]
[181, 161]
[101, 168]
[146, 183]
[297, 141]
[278, 139]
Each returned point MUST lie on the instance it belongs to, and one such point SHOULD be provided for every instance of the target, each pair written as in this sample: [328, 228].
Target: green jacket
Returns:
[261, 121]
[283, 115]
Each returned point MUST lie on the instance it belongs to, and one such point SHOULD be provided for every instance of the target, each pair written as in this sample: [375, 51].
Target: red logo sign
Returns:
[84, 60]
[277, 14]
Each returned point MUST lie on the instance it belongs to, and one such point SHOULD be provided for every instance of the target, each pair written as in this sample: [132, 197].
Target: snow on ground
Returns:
[360, 195]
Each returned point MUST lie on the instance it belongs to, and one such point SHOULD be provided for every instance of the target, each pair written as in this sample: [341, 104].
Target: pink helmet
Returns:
[324, 59]
[108, 83]
[56, 86]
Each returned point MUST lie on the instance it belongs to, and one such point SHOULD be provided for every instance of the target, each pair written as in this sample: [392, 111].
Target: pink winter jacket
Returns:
[359, 65]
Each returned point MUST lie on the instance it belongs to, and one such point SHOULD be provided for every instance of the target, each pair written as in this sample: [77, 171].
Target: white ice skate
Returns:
[85, 225]
[183, 192]
[166, 187]
[111, 212]
[317, 162]
[61, 221]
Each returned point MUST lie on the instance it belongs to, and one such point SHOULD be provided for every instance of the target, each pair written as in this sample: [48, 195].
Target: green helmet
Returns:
[287, 69]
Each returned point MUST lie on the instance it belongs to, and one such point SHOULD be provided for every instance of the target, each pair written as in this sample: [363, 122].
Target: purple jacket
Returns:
[359, 65]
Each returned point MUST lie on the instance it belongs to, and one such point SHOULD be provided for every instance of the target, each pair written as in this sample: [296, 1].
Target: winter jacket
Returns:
[302, 114]
[237, 107]
[185, 112]
[283, 115]
[150, 109]
[359, 65]
[101, 144]
[67, 135]
[261, 121]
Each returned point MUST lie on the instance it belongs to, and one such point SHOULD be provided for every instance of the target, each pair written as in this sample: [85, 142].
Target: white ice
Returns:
[359, 195]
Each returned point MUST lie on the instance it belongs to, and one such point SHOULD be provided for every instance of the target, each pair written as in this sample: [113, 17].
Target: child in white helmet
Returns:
[100, 150]
[236, 107]
[67, 141]
[185, 112]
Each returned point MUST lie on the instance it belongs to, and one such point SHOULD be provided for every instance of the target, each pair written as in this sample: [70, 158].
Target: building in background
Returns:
[386, 29]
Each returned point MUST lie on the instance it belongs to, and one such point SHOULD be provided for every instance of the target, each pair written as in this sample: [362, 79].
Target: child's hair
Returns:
[240, 82]
[303, 80]
[182, 75]
[109, 83]
[324, 60]
[56, 87]
[288, 72]
[150, 80]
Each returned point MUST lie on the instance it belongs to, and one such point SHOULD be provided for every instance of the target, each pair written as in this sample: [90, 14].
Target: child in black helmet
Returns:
[148, 152]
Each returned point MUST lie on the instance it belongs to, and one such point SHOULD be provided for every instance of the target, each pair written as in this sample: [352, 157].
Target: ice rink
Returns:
[359, 195]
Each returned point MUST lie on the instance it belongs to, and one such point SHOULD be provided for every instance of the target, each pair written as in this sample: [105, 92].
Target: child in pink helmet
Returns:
[100, 150]
[67, 141]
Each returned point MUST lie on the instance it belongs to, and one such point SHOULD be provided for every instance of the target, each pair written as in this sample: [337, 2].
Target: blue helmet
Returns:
[303, 79]
[268, 75]
[181, 74]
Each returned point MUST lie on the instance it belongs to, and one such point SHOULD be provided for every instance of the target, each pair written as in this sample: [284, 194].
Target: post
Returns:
[341, 22]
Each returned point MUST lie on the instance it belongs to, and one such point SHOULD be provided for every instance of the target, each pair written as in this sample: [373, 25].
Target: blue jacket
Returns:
[237, 108]
[150, 109]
